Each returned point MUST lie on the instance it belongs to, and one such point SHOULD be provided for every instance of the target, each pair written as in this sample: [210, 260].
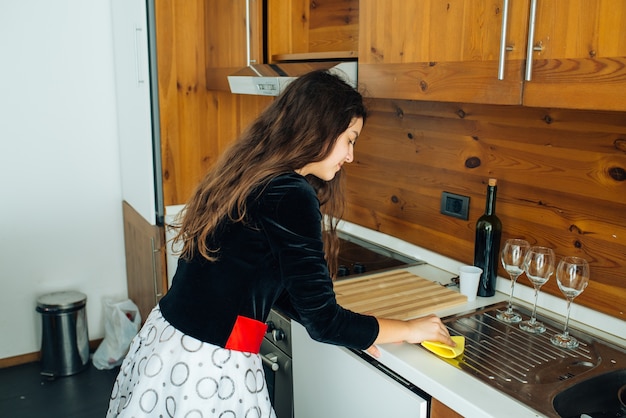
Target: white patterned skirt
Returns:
[169, 374]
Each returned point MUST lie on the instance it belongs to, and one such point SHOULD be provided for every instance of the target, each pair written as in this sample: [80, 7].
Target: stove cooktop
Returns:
[358, 256]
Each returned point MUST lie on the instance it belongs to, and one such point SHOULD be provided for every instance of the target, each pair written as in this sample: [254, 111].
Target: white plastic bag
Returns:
[121, 324]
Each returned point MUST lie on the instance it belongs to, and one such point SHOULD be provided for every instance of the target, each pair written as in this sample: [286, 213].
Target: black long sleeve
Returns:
[277, 253]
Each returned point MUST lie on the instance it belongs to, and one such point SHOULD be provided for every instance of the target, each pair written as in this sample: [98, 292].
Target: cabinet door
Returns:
[310, 29]
[234, 39]
[146, 279]
[441, 51]
[134, 108]
[582, 61]
[331, 382]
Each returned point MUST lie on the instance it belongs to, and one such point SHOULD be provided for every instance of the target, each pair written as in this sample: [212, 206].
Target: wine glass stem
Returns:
[509, 308]
[565, 329]
[533, 317]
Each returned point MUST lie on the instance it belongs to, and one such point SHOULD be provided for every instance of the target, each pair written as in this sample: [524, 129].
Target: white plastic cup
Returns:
[469, 276]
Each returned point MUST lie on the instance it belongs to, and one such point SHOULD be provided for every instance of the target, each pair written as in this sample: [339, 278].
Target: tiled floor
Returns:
[24, 393]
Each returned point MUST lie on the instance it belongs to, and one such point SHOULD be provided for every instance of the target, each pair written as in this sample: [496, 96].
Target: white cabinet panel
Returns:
[332, 382]
[132, 81]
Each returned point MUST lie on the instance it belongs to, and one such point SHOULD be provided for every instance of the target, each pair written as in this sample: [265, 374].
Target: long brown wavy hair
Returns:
[301, 126]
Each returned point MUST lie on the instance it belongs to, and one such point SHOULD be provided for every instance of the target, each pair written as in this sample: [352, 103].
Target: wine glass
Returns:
[539, 266]
[512, 258]
[572, 276]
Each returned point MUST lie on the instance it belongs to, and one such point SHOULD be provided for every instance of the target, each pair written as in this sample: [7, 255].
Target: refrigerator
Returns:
[138, 107]
[137, 98]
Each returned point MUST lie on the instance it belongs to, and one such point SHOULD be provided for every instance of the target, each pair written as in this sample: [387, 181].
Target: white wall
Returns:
[60, 194]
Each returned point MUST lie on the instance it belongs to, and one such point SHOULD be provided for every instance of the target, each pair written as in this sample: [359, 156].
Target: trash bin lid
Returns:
[61, 301]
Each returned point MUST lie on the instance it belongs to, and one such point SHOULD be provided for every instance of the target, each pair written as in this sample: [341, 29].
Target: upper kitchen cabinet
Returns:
[579, 55]
[443, 50]
[248, 32]
[312, 29]
[234, 39]
[547, 53]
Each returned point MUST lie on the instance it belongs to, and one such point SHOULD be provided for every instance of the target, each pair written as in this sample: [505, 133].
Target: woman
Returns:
[252, 239]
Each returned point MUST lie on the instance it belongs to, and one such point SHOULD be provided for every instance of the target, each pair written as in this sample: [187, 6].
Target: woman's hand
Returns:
[373, 351]
[429, 328]
[414, 331]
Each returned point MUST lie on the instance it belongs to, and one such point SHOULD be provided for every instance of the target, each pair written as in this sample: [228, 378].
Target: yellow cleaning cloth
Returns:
[444, 350]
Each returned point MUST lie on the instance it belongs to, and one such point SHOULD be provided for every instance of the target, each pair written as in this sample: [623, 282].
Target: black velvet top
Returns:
[275, 258]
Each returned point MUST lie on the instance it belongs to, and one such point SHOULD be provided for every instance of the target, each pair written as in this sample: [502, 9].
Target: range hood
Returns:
[271, 79]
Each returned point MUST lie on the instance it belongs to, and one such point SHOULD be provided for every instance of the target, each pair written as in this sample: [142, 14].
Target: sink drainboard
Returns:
[527, 367]
[497, 350]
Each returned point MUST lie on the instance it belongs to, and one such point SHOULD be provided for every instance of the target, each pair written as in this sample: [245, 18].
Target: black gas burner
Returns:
[346, 269]
[357, 256]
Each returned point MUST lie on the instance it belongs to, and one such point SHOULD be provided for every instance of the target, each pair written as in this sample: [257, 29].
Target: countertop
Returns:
[460, 391]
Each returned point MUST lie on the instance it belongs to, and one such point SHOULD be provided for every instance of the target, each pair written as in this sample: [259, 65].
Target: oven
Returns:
[276, 355]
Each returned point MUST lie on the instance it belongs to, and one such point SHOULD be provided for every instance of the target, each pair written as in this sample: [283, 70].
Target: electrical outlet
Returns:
[455, 205]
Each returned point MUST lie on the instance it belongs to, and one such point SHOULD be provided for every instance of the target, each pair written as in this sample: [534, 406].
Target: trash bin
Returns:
[64, 339]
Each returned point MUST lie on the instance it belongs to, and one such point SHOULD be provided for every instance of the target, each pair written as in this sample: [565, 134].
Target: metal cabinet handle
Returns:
[503, 47]
[155, 273]
[530, 48]
[248, 28]
[249, 60]
[138, 55]
[270, 361]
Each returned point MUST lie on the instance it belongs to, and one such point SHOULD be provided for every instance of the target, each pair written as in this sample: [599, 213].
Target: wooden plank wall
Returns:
[196, 123]
[561, 182]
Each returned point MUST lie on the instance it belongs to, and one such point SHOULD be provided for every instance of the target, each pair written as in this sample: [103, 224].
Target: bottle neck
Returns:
[490, 208]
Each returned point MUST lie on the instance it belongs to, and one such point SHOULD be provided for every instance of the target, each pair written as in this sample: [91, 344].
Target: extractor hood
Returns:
[271, 79]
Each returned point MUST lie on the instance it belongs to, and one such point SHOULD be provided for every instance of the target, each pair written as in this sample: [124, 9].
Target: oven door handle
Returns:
[271, 361]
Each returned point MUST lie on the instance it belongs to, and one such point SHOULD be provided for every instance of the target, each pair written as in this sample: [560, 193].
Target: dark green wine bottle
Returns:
[487, 243]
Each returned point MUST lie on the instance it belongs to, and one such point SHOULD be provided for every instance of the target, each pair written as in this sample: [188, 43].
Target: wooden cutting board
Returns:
[396, 294]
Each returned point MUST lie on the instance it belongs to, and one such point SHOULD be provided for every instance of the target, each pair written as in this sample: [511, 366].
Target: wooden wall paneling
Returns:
[198, 121]
[167, 82]
[214, 120]
[561, 181]
[181, 70]
[249, 107]
[228, 115]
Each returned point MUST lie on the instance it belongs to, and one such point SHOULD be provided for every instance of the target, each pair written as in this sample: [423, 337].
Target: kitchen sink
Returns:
[552, 380]
[596, 397]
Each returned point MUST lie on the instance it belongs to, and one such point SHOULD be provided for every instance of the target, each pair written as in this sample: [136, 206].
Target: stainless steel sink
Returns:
[596, 397]
[531, 370]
